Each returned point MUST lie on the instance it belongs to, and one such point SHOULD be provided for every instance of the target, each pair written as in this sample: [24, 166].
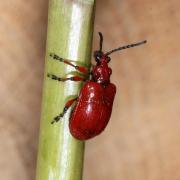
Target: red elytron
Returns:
[92, 112]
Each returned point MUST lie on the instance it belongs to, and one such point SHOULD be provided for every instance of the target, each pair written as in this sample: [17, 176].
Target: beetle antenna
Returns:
[125, 47]
[101, 40]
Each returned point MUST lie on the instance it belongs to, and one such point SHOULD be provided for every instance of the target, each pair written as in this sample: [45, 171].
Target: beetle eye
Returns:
[108, 59]
[97, 55]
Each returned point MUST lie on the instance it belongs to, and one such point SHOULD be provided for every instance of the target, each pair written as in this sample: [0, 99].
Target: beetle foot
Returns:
[56, 57]
[57, 118]
[54, 77]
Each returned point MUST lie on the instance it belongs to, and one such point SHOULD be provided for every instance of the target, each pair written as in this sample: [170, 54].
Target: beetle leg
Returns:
[73, 78]
[78, 68]
[67, 106]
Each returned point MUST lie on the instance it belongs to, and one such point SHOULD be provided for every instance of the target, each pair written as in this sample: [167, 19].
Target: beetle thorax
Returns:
[102, 72]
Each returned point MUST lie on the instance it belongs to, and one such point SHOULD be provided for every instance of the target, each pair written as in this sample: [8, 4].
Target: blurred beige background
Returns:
[142, 141]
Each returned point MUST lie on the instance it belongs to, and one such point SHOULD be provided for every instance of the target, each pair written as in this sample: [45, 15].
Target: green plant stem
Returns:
[70, 29]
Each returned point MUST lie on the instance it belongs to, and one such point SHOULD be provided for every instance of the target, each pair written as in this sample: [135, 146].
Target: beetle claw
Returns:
[52, 122]
[51, 54]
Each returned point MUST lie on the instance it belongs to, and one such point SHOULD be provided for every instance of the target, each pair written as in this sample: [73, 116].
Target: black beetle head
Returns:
[98, 56]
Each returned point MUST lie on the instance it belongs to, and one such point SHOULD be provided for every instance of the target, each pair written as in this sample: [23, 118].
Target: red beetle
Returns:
[92, 112]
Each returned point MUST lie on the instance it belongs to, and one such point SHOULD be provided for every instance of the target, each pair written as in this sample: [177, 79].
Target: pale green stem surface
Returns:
[70, 29]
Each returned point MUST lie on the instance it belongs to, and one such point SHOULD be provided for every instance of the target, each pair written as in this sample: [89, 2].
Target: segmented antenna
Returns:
[125, 47]
[101, 40]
